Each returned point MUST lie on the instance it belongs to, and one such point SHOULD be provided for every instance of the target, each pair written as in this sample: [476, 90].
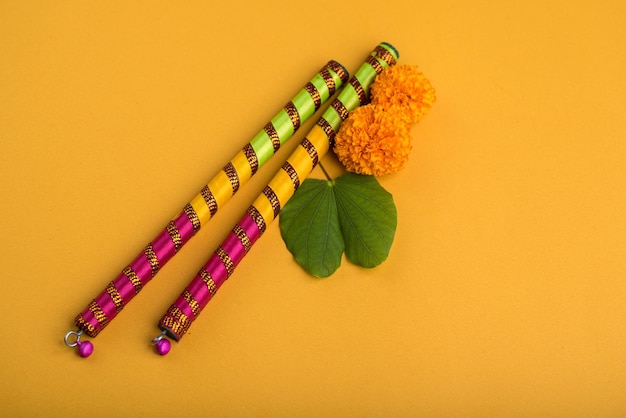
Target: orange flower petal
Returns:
[403, 89]
[373, 141]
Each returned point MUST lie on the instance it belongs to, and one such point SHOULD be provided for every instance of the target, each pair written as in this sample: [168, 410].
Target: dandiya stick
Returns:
[222, 263]
[197, 213]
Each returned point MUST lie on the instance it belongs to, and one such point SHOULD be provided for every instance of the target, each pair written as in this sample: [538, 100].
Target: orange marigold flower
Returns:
[373, 141]
[405, 89]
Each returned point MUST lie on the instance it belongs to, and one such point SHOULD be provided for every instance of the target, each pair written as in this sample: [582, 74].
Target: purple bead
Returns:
[163, 346]
[85, 348]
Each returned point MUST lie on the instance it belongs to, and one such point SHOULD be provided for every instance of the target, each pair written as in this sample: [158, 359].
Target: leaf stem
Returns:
[319, 163]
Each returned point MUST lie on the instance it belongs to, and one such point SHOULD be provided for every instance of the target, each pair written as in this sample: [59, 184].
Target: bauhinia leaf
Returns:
[309, 225]
[368, 218]
[323, 218]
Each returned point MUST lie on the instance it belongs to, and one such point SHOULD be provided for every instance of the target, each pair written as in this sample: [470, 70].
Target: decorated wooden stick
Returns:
[203, 207]
[267, 206]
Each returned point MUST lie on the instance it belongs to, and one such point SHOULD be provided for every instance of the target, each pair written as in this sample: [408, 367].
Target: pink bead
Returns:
[163, 346]
[85, 348]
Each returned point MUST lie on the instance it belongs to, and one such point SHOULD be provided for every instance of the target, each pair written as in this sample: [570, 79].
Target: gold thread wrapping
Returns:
[243, 237]
[257, 218]
[315, 94]
[270, 130]
[209, 199]
[354, 82]
[172, 325]
[226, 260]
[208, 281]
[176, 321]
[133, 278]
[242, 167]
[193, 217]
[384, 54]
[233, 177]
[88, 328]
[339, 70]
[293, 174]
[152, 259]
[174, 235]
[341, 109]
[115, 296]
[291, 110]
[201, 209]
[328, 130]
[191, 301]
[252, 158]
[329, 80]
[310, 148]
[376, 65]
[98, 313]
[271, 196]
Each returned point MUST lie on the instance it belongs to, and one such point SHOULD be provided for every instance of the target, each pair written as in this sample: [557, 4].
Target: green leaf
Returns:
[368, 218]
[323, 218]
[309, 225]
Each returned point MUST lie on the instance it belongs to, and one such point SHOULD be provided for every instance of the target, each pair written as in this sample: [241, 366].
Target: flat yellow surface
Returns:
[505, 290]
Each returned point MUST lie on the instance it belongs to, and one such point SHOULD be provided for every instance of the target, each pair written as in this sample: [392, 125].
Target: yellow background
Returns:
[504, 293]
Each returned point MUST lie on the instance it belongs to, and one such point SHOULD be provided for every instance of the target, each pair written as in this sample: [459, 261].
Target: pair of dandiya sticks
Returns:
[197, 213]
